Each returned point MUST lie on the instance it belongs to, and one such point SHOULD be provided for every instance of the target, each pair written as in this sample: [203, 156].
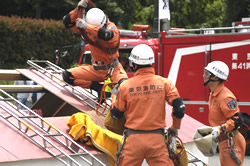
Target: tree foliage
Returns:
[184, 13]
[235, 10]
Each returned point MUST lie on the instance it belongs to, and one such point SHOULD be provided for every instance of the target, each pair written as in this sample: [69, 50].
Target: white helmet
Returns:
[142, 54]
[219, 69]
[96, 17]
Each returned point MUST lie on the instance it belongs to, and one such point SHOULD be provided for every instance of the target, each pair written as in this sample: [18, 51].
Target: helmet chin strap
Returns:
[209, 80]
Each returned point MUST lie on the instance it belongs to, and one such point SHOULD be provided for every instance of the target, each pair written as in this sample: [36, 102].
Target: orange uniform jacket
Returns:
[143, 97]
[221, 107]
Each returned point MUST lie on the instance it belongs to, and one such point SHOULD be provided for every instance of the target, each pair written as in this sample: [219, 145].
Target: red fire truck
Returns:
[182, 54]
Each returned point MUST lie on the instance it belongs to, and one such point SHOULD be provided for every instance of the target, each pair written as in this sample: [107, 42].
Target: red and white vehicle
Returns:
[181, 56]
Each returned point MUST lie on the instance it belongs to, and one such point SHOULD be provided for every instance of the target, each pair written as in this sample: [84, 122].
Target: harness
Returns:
[108, 50]
[127, 133]
[229, 136]
[97, 65]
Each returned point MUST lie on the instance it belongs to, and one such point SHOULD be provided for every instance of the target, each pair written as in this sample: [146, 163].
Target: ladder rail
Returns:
[47, 127]
[82, 94]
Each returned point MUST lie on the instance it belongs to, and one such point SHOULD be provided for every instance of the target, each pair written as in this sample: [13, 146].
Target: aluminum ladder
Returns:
[44, 134]
[54, 72]
[195, 160]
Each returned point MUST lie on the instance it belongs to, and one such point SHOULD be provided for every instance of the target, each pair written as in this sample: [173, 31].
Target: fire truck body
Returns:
[181, 57]
[183, 61]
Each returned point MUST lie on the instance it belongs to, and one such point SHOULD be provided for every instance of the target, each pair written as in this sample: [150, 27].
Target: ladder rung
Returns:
[193, 160]
[7, 117]
[29, 116]
[51, 135]
[78, 154]
[56, 72]
[59, 155]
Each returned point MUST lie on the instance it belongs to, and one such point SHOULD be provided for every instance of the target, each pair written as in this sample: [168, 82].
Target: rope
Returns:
[92, 4]
[103, 95]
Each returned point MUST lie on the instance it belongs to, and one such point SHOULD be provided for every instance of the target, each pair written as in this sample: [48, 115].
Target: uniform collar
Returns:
[146, 70]
[218, 89]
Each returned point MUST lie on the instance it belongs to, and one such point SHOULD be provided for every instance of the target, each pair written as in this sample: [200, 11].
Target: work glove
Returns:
[80, 23]
[115, 90]
[172, 131]
[215, 132]
[82, 3]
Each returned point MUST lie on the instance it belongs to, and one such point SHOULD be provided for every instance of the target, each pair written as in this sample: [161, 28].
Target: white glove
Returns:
[82, 3]
[115, 90]
[80, 23]
[215, 132]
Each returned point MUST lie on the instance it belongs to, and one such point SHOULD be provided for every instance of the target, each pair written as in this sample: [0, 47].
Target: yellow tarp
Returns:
[82, 128]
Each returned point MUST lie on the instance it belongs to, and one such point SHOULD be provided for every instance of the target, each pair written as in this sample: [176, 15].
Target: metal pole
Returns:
[156, 24]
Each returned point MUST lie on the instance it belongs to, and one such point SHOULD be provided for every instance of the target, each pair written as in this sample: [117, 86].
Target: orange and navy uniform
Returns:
[223, 110]
[84, 75]
[144, 97]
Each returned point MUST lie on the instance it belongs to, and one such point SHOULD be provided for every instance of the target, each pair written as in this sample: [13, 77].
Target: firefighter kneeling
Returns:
[143, 98]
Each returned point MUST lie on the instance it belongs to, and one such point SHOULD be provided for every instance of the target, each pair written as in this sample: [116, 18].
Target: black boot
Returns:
[97, 87]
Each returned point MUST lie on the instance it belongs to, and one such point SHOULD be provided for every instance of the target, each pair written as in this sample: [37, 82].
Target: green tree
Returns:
[235, 10]
[196, 13]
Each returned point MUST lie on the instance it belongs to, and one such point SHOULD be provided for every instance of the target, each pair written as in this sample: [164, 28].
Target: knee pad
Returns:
[105, 34]
[68, 77]
[179, 108]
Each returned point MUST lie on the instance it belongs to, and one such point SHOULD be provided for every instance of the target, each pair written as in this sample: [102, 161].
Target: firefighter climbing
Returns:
[103, 38]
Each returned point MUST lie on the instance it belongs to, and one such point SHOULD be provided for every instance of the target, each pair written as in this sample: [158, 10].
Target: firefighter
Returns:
[144, 97]
[103, 38]
[224, 115]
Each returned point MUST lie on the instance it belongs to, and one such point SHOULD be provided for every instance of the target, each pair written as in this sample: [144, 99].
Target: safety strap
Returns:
[232, 153]
[119, 151]
[107, 66]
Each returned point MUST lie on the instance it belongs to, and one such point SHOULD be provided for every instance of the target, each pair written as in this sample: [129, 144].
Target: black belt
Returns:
[107, 66]
[131, 131]
[229, 134]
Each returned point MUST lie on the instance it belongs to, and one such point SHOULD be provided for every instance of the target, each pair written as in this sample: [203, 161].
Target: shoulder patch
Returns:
[111, 27]
[232, 104]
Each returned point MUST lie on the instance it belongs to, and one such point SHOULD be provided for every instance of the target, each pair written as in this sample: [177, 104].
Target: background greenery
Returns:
[33, 29]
